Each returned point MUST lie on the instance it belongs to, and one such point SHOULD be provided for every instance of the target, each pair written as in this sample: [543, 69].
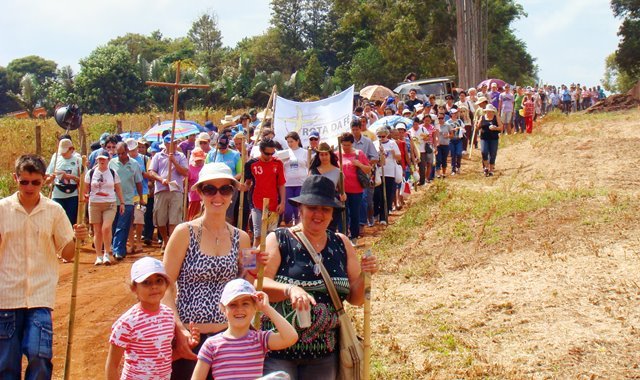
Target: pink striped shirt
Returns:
[146, 338]
[236, 358]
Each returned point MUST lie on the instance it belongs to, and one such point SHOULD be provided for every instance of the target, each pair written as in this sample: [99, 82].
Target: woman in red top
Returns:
[352, 160]
[529, 110]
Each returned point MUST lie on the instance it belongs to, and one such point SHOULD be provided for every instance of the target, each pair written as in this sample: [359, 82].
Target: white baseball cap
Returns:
[236, 288]
[145, 267]
[406, 110]
[64, 145]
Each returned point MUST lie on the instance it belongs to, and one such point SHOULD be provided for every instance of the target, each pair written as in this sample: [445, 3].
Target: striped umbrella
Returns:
[184, 128]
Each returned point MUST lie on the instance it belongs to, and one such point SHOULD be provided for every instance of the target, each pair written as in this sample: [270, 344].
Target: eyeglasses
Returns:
[25, 182]
[210, 190]
[203, 142]
[313, 139]
[382, 136]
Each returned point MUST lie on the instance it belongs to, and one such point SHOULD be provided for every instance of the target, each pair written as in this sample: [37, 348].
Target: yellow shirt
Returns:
[28, 247]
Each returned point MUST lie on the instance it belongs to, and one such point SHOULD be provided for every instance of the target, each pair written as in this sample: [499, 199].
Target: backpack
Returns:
[113, 174]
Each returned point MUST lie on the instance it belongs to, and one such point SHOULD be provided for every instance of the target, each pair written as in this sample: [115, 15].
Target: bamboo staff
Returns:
[384, 186]
[185, 192]
[473, 136]
[243, 152]
[263, 237]
[258, 133]
[367, 321]
[341, 187]
[74, 278]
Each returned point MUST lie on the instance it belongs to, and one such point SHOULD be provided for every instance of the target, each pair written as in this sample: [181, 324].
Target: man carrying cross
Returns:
[167, 207]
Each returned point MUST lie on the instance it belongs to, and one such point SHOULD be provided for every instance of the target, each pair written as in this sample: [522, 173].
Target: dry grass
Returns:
[529, 274]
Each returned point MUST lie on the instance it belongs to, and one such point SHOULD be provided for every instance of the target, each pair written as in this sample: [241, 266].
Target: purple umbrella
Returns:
[488, 82]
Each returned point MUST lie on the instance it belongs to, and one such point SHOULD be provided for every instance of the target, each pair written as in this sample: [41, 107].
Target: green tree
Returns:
[108, 81]
[313, 77]
[616, 80]
[41, 69]
[628, 53]
[60, 90]
[6, 103]
[207, 40]
[30, 93]
[288, 16]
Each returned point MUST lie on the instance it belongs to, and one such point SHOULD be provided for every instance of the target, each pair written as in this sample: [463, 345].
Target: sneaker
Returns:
[383, 222]
[370, 223]
[490, 174]
[98, 261]
[118, 256]
[453, 173]
[105, 259]
[486, 172]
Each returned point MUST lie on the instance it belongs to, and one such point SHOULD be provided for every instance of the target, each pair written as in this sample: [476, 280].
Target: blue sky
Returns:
[569, 38]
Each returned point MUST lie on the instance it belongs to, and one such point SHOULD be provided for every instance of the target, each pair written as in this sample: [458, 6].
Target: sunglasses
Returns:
[313, 138]
[25, 182]
[210, 190]
[268, 153]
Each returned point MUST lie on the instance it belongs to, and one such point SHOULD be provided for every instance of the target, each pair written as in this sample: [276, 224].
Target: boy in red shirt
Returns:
[266, 175]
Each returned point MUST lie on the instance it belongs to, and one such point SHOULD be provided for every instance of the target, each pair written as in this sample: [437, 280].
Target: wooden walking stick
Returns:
[185, 193]
[384, 186]
[263, 237]
[473, 136]
[243, 152]
[343, 213]
[367, 321]
[74, 278]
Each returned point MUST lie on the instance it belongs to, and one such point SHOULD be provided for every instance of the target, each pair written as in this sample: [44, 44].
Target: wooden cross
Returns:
[176, 86]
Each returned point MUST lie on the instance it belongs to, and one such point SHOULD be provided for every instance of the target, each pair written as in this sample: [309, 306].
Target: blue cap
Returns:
[103, 138]
[209, 126]
[391, 100]
[167, 139]
[314, 134]
[155, 147]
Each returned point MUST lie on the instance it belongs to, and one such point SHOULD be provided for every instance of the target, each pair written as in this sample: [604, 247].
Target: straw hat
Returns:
[268, 114]
[480, 100]
[490, 108]
[228, 119]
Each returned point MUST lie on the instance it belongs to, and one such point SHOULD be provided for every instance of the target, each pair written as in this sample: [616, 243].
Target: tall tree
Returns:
[207, 39]
[288, 16]
[41, 68]
[108, 81]
[6, 103]
[628, 53]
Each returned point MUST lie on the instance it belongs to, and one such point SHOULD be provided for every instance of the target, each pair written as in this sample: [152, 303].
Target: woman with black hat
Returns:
[294, 282]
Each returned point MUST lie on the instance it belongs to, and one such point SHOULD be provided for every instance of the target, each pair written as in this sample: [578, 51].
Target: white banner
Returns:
[330, 117]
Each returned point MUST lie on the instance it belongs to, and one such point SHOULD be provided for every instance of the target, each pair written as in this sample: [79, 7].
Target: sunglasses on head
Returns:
[210, 190]
[25, 182]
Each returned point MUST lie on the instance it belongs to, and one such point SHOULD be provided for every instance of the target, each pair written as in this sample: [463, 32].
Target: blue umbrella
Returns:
[133, 135]
[390, 122]
[184, 128]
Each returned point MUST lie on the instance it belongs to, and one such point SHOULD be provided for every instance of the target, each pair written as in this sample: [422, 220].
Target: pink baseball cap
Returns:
[236, 288]
[145, 267]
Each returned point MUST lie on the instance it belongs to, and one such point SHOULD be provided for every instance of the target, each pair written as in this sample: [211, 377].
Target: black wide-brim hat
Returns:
[317, 190]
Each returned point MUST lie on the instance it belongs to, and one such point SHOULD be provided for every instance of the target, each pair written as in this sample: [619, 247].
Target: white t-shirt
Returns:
[295, 168]
[420, 134]
[389, 162]
[102, 185]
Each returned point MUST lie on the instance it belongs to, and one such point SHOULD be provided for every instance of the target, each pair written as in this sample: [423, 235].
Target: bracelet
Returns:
[253, 273]
[287, 290]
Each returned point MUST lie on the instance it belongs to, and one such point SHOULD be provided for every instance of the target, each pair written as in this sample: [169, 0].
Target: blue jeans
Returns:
[490, 151]
[455, 146]
[518, 123]
[354, 200]
[291, 211]
[70, 206]
[26, 332]
[441, 158]
[121, 226]
[366, 206]
[317, 369]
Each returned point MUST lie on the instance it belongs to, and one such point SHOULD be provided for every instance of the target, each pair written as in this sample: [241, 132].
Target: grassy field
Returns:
[19, 135]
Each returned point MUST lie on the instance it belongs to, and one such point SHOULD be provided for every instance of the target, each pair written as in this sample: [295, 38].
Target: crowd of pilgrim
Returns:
[195, 306]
